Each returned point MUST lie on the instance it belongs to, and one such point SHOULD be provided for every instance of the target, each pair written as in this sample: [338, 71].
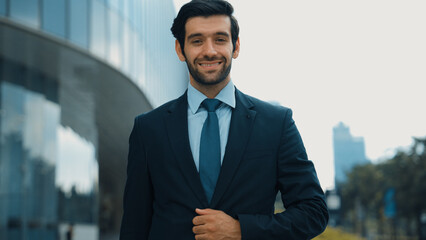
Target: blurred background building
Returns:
[73, 75]
[348, 152]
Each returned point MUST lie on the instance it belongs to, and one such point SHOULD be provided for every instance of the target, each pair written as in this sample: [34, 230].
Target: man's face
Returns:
[208, 49]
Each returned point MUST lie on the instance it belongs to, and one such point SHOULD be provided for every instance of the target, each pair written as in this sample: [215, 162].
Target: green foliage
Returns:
[406, 172]
[336, 234]
[367, 184]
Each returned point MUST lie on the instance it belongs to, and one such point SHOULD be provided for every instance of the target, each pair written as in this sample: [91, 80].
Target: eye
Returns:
[196, 41]
[221, 40]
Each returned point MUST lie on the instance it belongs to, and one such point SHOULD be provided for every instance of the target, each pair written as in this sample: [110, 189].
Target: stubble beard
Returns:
[198, 77]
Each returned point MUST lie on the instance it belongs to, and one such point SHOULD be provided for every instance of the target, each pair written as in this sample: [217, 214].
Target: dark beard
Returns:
[201, 80]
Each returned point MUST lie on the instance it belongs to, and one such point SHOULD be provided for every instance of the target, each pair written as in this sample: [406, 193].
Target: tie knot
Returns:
[211, 104]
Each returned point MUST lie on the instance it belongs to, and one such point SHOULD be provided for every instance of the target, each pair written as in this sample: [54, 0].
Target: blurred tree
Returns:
[362, 195]
[363, 192]
[410, 182]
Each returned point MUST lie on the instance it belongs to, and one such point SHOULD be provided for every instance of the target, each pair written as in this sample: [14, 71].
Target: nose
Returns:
[209, 48]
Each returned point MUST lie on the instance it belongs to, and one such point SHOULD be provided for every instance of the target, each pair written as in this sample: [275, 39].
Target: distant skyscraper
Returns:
[348, 151]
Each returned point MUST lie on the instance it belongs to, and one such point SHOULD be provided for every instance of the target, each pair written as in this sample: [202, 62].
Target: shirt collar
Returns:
[226, 95]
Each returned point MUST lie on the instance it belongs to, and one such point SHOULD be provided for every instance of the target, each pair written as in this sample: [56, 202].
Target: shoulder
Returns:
[155, 115]
[263, 107]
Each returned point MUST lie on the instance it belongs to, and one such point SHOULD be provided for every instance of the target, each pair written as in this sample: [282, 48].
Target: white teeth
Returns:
[209, 65]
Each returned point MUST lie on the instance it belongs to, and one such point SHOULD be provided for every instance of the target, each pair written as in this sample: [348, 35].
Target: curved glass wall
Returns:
[48, 172]
[133, 36]
[73, 75]
[53, 18]
[25, 11]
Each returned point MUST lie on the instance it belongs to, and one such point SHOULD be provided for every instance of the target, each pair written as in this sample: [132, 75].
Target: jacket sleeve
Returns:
[137, 202]
[306, 213]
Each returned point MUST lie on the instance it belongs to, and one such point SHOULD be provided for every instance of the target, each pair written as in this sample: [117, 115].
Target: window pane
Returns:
[115, 39]
[25, 11]
[54, 17]
[79, 22]
[127, 9]
[3, 7]
[127, 43]
[98, 29]
[114, 4]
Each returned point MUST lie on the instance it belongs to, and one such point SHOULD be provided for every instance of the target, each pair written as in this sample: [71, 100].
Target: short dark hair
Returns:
[204, 8]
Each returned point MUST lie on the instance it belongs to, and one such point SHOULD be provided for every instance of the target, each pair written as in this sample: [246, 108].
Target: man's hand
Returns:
[216, 225]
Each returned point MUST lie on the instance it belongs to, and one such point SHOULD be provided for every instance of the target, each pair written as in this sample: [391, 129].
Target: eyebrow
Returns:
[199, 34]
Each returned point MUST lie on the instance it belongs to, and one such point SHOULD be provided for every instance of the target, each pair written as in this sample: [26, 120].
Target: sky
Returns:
[360, 62]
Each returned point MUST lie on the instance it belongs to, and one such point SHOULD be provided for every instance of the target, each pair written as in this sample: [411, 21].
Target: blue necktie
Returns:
[210, 148]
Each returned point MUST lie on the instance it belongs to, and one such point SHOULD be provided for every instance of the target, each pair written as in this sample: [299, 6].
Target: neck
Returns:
[211, 91]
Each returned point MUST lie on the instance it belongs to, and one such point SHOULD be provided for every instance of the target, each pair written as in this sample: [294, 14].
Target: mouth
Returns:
[210, 65]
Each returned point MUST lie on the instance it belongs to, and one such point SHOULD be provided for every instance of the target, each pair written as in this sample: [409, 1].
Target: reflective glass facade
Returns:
[48, 172]
[73, 75]
[132, 36]
[25, 11]
[78, 22]
[53, 18]
[2, 7]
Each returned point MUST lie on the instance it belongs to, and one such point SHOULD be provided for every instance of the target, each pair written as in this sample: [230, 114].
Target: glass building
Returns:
[73, 75]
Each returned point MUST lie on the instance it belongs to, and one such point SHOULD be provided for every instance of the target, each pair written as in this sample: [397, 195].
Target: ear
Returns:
[179, 51]
[237, 48]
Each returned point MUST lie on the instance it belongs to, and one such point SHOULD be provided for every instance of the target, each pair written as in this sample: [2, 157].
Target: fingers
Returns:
[204, 229]
[215, 224]
[197, 230]
[207, 211]
[207, 215]
[204, 216]
[203, 219]
[204, 211]
[201, 237]
[198, 220]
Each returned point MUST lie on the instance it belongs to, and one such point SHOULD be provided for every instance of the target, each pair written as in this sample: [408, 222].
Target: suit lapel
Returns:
[177, 128]
[239, 132]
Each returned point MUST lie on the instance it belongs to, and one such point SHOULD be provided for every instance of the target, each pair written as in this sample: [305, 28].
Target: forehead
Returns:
[208, 25]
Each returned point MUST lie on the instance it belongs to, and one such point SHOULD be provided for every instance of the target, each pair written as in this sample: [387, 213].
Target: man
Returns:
[209, 164]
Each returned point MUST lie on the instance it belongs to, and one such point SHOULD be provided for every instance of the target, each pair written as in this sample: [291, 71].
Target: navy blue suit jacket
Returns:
[264, 154]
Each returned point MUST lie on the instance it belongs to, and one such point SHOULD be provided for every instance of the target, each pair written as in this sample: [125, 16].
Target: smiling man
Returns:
[209, 164]
[208, 52]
